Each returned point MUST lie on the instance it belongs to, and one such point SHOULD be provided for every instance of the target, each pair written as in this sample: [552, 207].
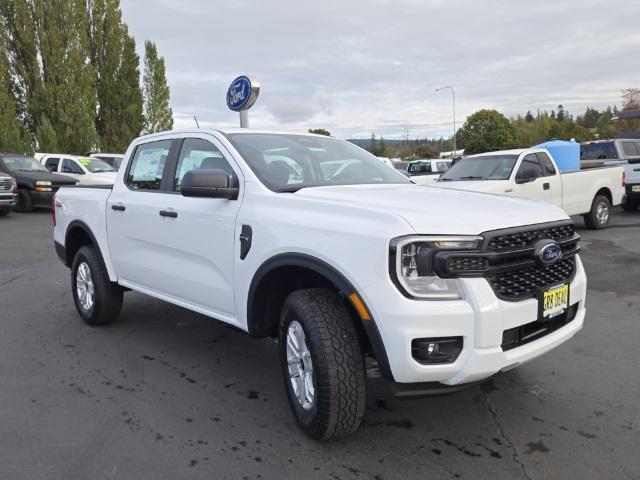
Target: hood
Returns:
[30, 178]
[431, 210]
[489, 186]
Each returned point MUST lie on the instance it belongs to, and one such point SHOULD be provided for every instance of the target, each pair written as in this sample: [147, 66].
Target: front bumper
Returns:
[480, 318]
[41, 199]
[7, 201]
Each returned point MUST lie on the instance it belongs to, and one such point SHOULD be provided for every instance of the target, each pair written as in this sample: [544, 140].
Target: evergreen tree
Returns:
[119, 117]
[528, 117]
[561, 113]
[50, 50]
[46, 137]
[157, 111]
[13, 136]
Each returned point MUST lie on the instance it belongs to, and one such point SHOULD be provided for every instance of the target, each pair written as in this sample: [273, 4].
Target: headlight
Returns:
[43, 186]
[412, 261]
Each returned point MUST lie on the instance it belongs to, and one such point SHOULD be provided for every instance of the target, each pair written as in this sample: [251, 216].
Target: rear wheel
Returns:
[600, 214]
[97, 299]
[4, 213]
[630, 205]
[322, 363]
[24, 202]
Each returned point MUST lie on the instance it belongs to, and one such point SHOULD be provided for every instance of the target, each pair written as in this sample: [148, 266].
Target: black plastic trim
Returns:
[80, 224]
[245, 241]
[337, 279]
[61, 252]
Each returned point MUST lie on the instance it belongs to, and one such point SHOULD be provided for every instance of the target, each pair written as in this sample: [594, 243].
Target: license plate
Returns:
[635, 188]
[554, 301]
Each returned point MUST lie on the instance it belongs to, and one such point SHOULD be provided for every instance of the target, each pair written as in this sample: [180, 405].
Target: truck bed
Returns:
[575, 185]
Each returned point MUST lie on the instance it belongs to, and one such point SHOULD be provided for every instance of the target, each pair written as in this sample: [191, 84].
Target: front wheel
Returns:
[97, 299]
[323, 364]
[24, 202]
[600, 214]
[4, 213]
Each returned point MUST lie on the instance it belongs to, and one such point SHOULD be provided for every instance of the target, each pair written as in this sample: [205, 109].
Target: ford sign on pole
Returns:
[242, 94]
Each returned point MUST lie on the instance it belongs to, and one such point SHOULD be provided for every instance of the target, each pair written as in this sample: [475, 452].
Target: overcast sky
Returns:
[355, 67]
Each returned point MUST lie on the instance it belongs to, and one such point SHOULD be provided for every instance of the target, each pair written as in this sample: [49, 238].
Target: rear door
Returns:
[546, 185]
[133, 223]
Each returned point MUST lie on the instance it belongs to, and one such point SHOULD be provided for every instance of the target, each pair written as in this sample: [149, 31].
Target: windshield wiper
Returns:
[444, 179]
[288, 189]
[472, 177]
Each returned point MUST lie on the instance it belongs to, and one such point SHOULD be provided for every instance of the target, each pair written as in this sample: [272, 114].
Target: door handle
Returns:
[118, 208]
[508, 190]
[168, 213]
[546, 186]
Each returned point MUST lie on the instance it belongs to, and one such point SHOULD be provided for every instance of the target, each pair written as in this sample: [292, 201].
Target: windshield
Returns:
[287, 163]
[95, 165]
[481, 167]
[23, 164]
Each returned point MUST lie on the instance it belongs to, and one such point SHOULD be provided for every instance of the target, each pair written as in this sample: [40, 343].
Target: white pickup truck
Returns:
[356, 270]
[533, 173]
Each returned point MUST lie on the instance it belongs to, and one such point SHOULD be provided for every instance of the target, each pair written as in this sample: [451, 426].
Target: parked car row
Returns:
[86, 170]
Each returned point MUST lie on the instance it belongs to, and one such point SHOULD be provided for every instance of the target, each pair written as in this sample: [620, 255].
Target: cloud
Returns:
[361, 66]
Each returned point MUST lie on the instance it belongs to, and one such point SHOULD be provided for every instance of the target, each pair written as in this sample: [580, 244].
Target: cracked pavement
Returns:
[165, 393]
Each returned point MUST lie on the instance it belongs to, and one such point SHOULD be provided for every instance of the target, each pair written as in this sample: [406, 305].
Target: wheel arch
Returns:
[280, 275]
[79, 235]
[606, 192]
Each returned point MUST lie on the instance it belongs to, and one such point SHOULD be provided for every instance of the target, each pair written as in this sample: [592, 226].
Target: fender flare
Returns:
[86, 229]
[338, 280]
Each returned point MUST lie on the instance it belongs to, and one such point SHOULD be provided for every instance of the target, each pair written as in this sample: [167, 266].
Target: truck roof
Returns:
[515, 151]
[232, 130]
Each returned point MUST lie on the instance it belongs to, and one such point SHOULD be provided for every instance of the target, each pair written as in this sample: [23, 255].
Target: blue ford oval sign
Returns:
[242, 94]
[550, 253]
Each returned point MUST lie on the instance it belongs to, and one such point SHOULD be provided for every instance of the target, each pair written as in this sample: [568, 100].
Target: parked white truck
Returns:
[533, 173]
[355, 270]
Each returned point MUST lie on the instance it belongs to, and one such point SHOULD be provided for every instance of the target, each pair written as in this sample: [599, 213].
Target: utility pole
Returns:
[453, 96]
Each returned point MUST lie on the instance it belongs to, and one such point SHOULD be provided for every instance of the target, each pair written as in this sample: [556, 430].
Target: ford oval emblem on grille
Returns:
[548, 253]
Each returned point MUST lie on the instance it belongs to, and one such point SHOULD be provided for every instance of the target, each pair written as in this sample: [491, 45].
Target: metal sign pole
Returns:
[244, 118]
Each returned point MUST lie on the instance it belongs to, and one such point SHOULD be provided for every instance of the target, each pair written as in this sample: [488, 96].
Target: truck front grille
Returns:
[5, 184]
[508, 260]
[525, 238]
[525, 282]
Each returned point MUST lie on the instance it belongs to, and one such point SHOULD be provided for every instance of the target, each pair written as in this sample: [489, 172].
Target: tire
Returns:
[630, 205]
[4, 213]
[107, 296]
[337, 361]
[600, 214]
[23, 202]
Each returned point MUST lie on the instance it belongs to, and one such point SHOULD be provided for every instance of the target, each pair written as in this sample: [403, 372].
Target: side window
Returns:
[548, 169]
[530, 167]
[51, 164]
[629, 149]
[69, 166]
[147, 165]
[197, 153]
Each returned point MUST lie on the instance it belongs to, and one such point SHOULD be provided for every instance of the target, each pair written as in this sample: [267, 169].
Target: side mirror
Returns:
[526, 175]
[212, 183]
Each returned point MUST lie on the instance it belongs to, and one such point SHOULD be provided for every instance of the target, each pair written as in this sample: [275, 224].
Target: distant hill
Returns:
[365, 142]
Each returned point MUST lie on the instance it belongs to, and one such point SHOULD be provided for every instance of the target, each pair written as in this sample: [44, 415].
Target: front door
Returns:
[545, 185]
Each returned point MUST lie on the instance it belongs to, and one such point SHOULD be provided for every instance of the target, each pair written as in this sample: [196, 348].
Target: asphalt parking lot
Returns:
[165, 393]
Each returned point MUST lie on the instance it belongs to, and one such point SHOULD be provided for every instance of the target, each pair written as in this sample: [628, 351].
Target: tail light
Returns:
[624, 179]
[53, 209]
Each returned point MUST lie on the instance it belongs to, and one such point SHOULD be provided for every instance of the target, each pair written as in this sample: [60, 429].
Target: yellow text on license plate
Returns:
[555, 300]
[635, 188]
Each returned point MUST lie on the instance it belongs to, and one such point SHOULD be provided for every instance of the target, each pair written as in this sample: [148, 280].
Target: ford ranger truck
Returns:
[315, 242]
